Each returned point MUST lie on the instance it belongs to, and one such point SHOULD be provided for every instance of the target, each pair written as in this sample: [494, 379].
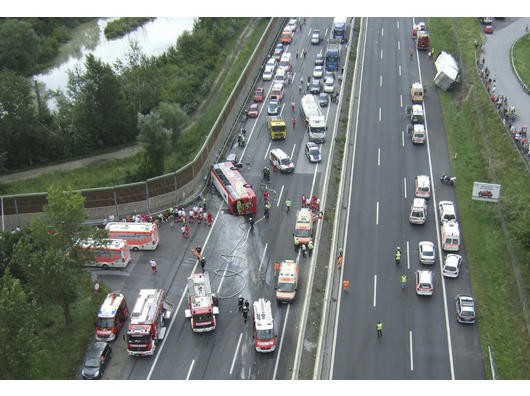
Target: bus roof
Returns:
[232, 180]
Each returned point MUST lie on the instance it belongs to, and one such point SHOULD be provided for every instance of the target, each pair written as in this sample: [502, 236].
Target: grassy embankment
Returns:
[120, 27]
[112, 173]
[495, 235]
[62, 359]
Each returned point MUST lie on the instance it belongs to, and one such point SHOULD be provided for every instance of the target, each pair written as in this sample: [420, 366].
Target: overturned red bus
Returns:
[234, 190]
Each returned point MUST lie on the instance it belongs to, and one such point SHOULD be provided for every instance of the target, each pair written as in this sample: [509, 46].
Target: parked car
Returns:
[316, 86]
[253, 110]
[427, 252]
[274, 107]
[96, 360]
[316, 37]
[319, 61]
[268, 73]
[465, 309]
[278, 51]
[272, 62]
[329, 85]
[259, 95]
[312, 152]
[281, 161]
[488, 29]
[451, 268]
[323, 99]
[318, 71]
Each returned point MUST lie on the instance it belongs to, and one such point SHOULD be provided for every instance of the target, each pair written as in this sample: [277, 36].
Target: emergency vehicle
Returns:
[203, 304]
[450, 235]
[417, 92]
[303, 229]
[148, 319]
[139, 236]
[264, 338]
[287, 281]
[111, 317]
[106, 253]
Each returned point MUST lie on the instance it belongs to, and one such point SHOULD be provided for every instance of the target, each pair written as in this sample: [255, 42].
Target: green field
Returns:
[521, 57]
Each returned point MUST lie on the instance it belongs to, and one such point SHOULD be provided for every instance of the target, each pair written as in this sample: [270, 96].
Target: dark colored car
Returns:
[96, 360]
[323, 99]
[488, 29]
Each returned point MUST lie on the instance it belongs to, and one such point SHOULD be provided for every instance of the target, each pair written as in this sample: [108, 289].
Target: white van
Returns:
[450, 236]
[424, 285]
[446, 211]
[422, 186]
[281, 161]
[418, 134]
[287, 281]
[280, 76]
[418, 211]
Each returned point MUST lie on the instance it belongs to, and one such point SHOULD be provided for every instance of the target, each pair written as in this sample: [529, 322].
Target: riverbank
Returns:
[120, 27]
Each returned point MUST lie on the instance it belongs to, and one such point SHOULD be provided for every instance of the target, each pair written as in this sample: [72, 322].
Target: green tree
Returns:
[18, 330]
[154, 139]
[173, 119]
[101, 115]
[19, 46]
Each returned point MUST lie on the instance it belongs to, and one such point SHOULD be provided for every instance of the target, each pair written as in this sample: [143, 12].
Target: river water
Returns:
[153, 38]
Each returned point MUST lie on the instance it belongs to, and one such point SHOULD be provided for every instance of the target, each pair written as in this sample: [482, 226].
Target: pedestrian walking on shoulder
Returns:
[245, 310]
[203, 263]
[379, 328]
[240, 302]
[154, 268]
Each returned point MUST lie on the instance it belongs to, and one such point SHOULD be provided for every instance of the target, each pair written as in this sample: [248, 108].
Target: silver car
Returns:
[427, 252]
[451, 268]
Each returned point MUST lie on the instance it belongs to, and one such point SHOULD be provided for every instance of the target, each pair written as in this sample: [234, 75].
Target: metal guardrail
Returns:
[159, 193]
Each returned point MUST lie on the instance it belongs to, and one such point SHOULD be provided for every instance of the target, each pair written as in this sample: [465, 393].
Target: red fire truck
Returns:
[264, 337]
[203, 305]
[111, 317]
[149, 317]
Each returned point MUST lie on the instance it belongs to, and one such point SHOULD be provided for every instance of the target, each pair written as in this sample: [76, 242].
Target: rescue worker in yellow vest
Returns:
[310, 247]
[379, 328]
[398, 255]
[288, 204]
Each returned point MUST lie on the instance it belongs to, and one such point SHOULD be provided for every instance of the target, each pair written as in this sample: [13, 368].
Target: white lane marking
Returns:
[402, 138]
[375, 289]
[190, 369]
[267, 152]
[281, 342]
[399, 45]
[379, 157]
[399, 70]
[397, 24]
[377, 213]
[381, 54]
[411, 355]
[380, 114]
[381, 80]
[280, 196]
[382, 32]
[292, 151]
[263, 256]
[400, 100]
[405, 187]
[408, 256]
[235, 354]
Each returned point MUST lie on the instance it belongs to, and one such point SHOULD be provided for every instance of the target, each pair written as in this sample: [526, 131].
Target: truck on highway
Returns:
[149, 318]
[447, 71]
[332, 55]
[315, 120]
[203, 305]
[276, 127]
[423, 42]
[339, 28]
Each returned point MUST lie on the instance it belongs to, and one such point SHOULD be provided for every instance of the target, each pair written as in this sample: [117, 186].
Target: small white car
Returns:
[329, 85]
[318, 71]
[268, 73]
[271, 62]
[452, 264]
[427, 252]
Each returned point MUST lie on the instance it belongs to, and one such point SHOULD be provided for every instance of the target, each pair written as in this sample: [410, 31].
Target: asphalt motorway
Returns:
[240, 261]
[421, 338]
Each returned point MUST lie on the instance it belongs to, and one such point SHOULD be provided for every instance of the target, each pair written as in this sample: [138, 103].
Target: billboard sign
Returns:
[486, 192]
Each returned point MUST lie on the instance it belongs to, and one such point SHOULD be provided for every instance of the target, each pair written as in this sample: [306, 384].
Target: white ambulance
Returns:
[287, 281]
[450, 235]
